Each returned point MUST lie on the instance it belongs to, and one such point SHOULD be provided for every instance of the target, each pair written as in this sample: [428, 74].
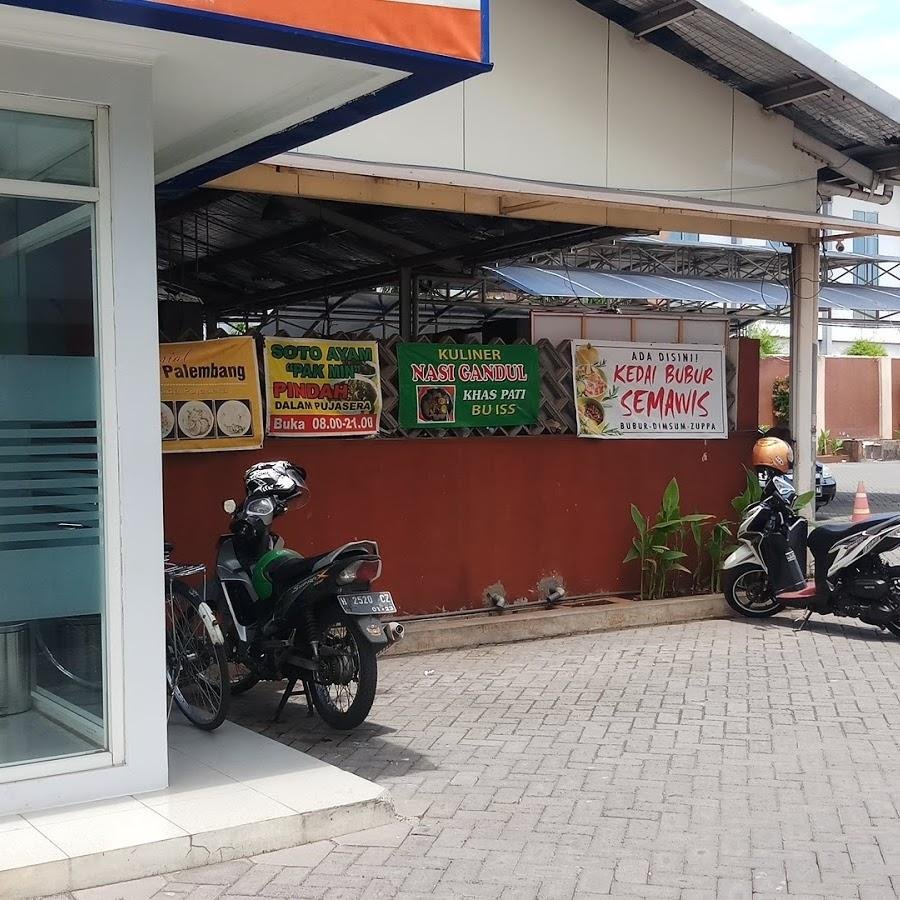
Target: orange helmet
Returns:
[773, 453]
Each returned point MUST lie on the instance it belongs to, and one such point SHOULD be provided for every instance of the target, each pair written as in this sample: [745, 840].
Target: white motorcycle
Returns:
[765, 574]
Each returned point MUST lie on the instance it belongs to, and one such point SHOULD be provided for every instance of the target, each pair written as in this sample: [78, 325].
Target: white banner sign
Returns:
[649, 390]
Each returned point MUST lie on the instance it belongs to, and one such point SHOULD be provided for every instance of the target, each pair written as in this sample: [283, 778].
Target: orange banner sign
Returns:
[443, 27]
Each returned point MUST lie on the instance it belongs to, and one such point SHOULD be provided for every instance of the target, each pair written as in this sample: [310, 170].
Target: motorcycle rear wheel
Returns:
[894, 629]
[345, 706]
[748, 593]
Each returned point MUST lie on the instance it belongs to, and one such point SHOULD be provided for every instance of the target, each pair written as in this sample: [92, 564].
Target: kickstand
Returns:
[310, 709]
[288, 693]
[802, 625]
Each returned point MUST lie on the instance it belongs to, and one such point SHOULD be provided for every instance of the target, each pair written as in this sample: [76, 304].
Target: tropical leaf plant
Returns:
[718, 546]
[659, 544]
[711, 546]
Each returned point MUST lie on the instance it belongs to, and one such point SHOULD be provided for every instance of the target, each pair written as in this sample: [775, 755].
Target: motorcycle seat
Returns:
[824, 537]
[287, 572]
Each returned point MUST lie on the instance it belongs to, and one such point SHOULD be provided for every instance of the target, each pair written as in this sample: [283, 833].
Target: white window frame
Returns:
[104, 325]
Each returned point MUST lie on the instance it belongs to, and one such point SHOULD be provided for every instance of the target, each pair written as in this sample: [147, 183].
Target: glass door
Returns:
[53, 697]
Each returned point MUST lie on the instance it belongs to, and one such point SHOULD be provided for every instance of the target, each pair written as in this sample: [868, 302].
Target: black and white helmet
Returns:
[282, 481]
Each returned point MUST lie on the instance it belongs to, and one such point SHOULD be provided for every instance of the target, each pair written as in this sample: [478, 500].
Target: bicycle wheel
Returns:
[196, 667]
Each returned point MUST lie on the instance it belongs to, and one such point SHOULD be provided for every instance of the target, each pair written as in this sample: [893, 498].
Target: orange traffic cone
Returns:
[861, 510]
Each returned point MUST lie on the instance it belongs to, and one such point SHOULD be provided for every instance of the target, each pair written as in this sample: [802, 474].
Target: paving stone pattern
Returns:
[722, 759]
[882, 481]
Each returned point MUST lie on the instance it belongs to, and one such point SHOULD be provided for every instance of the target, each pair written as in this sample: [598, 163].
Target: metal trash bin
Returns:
[15, 669]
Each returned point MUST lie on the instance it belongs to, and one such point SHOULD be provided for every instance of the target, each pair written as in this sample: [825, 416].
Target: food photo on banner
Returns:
[321, 388]
[210, 398]
[468, 385]
[649, 390]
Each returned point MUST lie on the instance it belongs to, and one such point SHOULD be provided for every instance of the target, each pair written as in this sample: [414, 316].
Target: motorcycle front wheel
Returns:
[344, 691]
[748, 593]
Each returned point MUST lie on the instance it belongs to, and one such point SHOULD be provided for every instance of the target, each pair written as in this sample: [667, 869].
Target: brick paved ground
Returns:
[717, 759]
[882, 480]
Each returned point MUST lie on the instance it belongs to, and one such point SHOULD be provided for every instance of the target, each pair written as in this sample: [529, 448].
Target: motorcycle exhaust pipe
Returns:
[394, 632]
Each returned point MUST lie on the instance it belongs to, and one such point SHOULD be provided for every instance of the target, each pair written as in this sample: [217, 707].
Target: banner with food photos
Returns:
[468, 385]
[210, 397]
[322, 388]
[625, 390]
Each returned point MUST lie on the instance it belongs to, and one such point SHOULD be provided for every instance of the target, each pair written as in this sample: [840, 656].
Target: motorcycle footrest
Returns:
[806, 593]
[300, 662]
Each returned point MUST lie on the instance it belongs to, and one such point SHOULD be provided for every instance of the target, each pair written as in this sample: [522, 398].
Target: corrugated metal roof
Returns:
[748, 51]
[588, 284]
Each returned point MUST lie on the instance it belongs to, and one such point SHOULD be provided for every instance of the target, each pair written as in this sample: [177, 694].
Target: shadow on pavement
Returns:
[845, 628]
[368, 751]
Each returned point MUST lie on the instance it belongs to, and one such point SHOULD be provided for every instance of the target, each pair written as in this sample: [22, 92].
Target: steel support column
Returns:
[804, 364]
[409, 305]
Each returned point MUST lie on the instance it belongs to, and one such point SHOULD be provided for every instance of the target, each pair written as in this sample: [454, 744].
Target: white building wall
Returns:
[576, 99]
[127, 91]
[836, 340]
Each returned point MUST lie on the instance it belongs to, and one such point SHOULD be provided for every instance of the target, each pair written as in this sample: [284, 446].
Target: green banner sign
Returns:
[468, 385]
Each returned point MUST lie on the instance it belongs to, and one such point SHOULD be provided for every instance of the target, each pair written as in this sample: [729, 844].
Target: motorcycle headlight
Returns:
[826, 472]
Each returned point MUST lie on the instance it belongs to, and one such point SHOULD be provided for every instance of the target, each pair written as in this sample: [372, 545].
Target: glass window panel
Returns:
[46, 148]
[52, 694]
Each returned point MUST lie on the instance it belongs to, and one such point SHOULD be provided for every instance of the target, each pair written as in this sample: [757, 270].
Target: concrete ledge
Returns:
[471, 631]
[233, 794]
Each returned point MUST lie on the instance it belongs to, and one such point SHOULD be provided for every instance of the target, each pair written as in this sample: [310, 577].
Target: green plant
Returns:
[752, 494]
[658, 545]
[712, 545]
[781, 399]
[863, 347]
[719, 545]
[770, 344]
[827, 445]
[803, 500]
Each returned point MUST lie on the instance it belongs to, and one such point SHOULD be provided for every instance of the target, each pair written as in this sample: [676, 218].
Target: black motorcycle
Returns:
[310, 619]
[767, 571]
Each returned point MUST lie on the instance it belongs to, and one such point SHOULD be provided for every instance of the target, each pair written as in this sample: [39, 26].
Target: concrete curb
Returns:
[461, 632]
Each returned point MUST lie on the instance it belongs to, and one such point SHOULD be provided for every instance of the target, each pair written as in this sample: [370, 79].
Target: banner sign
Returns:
[210, 398]
[441, 27]
[468, 386]
[318, 388]
[649, 390]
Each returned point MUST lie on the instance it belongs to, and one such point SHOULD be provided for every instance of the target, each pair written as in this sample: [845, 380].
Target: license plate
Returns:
[374, 604]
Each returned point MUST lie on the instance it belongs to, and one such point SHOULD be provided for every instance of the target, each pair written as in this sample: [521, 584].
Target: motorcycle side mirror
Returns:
[229, 506]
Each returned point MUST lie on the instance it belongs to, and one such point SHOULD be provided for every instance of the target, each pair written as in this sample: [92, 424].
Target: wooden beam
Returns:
[669, 14]
[791, 93]
[609, 208]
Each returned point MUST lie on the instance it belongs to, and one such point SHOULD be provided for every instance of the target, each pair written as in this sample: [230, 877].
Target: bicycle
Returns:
[197, 670]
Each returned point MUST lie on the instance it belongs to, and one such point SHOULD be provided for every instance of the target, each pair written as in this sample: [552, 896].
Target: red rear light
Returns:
[369, 570]
[363, 570]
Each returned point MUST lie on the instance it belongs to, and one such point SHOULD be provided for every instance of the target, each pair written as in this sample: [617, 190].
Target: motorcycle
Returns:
[310, 619]
[766, 573]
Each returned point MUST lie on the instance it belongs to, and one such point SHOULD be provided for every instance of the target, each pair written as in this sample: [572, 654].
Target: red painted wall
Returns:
[769, 369]
[852, 397]
[748, 384]
[895, 394]
[455, 515]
